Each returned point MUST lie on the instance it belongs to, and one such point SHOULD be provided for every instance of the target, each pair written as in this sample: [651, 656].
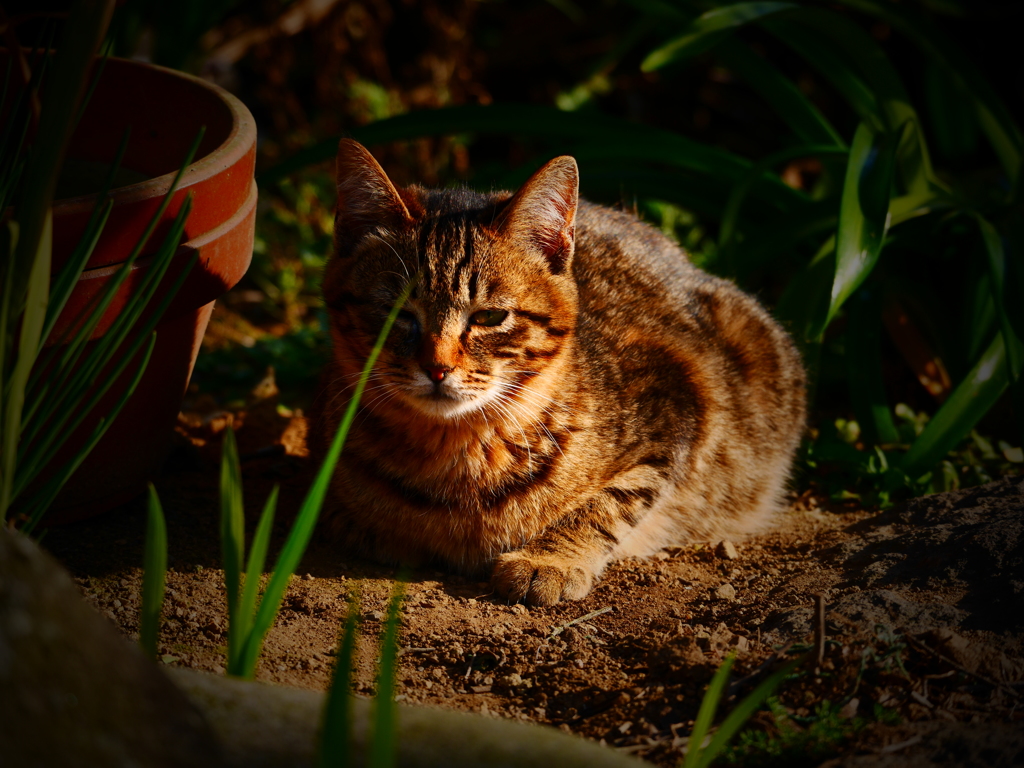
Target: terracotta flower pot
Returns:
[165, 110]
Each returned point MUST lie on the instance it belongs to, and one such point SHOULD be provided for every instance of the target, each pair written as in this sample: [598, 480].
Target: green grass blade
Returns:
[254, 568]
[864, 369]
[302, 529]
[708, 29]
[32, 320]
[768, 187]
[970, 400]
[956, 129]
[999, 281]
[154, 564]
[66, 281]
[730, 216]
[597, 81]
[783, 236]
[532, 120]
[336, 730]
[806, 298]
[863, 54]
[71, 382]
[994, 118]
[8, 242]
[823, 56]
[45, 497]
[863, 214]
[732, 724]
[82, 34]
[781, 94]
[63, 286]
[706, 713]
[382, 752]
[66, 420]
[232, 541]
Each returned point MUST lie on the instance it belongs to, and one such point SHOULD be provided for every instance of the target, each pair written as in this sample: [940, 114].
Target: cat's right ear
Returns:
[542, 214]
[366, 197]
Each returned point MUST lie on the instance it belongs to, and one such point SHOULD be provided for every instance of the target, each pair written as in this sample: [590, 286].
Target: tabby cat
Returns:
[562, 389]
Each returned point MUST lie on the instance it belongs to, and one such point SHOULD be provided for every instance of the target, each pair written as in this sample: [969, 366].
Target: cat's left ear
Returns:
[542, 214]
[366, 197]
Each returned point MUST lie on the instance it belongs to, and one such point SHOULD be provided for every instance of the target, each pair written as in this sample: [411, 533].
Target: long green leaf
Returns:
[532, 120]
[66, 420]
[82, 35]
[598, 156]
[383, 742]
[732, 724]
[68, 277]
[154, 563]
[730, 216]
[232, 541]
[806, 298]
[336, 730]
[764, 247]
[997, 268]
[72, 381]
[995, 119]
[302, 529]
[863, 54]
[824, 57]
[971, 400]
[8, 243]
[32, 321]
[254, 569]
[597, 81]
[40, 503]
[781, 94]
[708, 29]
[863, 214]
[864, 369]
[706, 713]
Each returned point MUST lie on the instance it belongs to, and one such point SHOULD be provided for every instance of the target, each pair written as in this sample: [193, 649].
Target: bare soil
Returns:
[924, 607]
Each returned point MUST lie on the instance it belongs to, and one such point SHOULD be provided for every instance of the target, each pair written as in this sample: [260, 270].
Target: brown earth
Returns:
[924, 606]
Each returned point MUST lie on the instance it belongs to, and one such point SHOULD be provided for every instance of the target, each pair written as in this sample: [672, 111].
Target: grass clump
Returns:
[793, 741]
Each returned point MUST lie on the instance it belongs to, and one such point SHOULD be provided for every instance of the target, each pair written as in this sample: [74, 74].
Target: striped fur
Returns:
[625, 402]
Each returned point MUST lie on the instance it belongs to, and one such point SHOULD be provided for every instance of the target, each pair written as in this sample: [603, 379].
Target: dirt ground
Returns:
[923, 605]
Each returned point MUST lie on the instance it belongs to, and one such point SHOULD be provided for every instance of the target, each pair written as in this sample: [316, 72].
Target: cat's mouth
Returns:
[444, 401]
[440, 404]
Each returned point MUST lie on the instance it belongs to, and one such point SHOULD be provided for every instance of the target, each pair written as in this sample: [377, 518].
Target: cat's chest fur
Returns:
[563, 387]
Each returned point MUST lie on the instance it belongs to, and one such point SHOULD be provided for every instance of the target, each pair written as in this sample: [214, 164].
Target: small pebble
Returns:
[727, 550]
[726, 592]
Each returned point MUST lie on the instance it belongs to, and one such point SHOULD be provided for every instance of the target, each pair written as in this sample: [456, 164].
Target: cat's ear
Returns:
[542, 214]
[366, 197]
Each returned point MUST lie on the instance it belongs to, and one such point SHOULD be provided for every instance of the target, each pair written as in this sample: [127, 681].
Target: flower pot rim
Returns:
[238, 143]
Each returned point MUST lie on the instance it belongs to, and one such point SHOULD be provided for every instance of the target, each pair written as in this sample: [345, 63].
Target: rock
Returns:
[936, 745]
[970, 540]
[267, 726]
[865, 610]
[725, 592]
[75, 692]
[727, 550]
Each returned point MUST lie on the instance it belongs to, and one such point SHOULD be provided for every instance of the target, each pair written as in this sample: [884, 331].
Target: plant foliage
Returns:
[850, 245]
[50, 385]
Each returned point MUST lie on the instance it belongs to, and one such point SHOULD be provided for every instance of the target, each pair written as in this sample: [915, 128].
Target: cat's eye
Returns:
[488, 317]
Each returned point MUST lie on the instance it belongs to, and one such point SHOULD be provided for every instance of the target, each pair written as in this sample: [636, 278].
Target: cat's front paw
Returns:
[541, 579]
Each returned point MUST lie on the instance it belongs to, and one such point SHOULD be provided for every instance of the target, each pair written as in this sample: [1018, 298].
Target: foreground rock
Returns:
[74, 691]
[77, 693]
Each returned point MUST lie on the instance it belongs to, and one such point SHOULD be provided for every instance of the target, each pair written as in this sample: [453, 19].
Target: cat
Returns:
[562, 388]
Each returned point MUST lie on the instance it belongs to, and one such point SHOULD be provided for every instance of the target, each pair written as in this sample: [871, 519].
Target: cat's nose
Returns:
[436, 373]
